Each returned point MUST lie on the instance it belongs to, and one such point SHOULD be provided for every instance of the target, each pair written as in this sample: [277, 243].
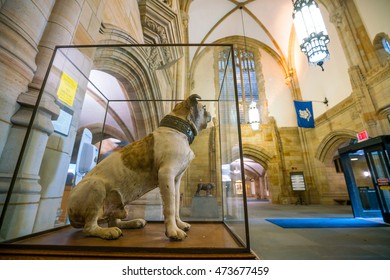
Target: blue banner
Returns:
[304, 111]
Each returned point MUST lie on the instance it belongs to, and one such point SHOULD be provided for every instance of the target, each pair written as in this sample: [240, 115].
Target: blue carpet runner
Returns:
[325, 223]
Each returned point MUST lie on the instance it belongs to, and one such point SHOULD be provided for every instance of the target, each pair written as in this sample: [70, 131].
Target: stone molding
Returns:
[113, 33]
[331, 141]
[379, 75]
[337, 15]
[340, 108]
[161, 25]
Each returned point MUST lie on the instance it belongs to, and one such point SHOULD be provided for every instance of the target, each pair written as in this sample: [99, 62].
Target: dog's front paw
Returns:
[112, 233]
[176, 234]
[105, 233]
[183, 226]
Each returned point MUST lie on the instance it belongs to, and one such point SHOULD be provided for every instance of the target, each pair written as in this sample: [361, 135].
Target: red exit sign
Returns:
[362, 136]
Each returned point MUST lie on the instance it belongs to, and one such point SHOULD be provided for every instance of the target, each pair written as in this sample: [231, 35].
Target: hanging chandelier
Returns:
[311, 32]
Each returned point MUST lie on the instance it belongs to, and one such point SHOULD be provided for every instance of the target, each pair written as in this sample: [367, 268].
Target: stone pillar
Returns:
[357, 46]
[22, 24]
[27, 190]
[56, 158]
[185, 19]
[262, 192]
[361, 57]
[275, 185]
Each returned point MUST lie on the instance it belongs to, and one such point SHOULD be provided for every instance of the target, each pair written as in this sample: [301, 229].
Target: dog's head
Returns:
[194, 112]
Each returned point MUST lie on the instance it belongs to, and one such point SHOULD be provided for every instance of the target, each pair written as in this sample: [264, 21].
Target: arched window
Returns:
[382, 46]
[386, 44]
[246, 79]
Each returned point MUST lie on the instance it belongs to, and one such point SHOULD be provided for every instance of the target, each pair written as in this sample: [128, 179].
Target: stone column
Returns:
[56, 158]
[22, 24]
[261, 182]
[353, 35]
[361, 57]
[186, 82]
[27, 190]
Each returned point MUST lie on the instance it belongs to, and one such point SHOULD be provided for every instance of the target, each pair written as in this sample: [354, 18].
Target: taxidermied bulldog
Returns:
[158, 160]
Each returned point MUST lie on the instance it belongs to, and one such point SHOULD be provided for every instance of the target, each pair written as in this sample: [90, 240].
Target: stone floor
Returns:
[271, 242]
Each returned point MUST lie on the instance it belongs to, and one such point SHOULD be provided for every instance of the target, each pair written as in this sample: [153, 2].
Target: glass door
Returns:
[378, 163]
[367, 175]
[362, 192]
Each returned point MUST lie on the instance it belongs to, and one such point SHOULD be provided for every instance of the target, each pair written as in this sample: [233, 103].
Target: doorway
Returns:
[256, 179]
[367, 174]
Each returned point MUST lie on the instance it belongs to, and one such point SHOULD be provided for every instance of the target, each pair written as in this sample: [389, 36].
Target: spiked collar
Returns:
[180, 125]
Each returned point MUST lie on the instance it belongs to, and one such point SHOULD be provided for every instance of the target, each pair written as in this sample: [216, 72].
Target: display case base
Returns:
[204, 241]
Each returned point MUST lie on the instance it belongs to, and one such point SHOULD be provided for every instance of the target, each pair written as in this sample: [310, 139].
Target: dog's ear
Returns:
[192, 100]
[189, 110]
[187, 104]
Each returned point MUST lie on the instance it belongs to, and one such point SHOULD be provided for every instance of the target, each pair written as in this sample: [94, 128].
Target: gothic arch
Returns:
[97, 136]
[132, 67]
[332, 142]
[109, 132]
[258, 154]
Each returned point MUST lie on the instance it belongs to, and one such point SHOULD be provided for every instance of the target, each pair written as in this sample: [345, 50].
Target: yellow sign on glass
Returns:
[67, 90]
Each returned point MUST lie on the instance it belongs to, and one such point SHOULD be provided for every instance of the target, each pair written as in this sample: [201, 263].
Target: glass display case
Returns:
[95, 100]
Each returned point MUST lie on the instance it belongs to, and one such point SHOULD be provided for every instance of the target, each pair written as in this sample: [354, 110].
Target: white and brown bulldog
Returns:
[158, 160]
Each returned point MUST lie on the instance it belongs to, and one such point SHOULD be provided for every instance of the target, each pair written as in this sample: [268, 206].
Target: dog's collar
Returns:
[180, 125]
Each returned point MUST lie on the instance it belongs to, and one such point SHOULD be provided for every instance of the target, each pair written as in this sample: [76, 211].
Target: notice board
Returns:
[297, 181]
[67, 89]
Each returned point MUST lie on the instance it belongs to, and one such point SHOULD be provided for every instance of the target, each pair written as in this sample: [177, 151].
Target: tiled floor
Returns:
[271, 242]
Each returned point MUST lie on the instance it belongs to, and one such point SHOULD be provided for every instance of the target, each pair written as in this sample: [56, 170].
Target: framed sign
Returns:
[67, 89]
[62, 124]
[297, 181]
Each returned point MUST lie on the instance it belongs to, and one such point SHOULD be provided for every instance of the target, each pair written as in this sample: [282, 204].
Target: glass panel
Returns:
[364, 184]
[42, 171]
[231, 158]
[381, 177]
[103, 98]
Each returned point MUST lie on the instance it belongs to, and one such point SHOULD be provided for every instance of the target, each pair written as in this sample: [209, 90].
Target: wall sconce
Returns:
[311, 32]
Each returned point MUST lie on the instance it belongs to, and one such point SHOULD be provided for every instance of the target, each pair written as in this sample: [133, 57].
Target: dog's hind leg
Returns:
[131, 224]
[92, 206]
[115, 211]
[91, 228]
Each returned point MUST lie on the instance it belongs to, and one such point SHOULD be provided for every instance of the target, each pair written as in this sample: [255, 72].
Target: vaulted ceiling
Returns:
[267, 21]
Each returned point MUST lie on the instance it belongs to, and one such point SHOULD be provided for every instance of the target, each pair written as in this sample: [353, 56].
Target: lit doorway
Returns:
[256, 180]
